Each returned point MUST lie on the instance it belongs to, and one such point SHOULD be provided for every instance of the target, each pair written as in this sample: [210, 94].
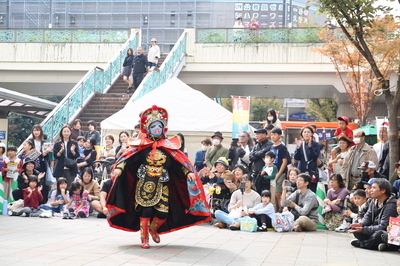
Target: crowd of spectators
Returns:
[254, 178]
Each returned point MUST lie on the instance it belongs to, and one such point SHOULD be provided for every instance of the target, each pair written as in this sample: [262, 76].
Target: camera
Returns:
[286, 203]
[288, 183]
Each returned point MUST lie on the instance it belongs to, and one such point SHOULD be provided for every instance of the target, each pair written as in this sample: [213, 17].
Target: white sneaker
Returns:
[343, 227]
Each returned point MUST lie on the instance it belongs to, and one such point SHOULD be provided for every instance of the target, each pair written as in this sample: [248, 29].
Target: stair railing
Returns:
[95, 80]
[171, 67]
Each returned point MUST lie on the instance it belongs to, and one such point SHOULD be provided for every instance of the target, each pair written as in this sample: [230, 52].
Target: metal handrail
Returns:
[95, 80]
[167, 70]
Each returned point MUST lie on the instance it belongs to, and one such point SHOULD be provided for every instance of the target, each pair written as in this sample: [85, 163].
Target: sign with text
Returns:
[241, 112]
[271, 15]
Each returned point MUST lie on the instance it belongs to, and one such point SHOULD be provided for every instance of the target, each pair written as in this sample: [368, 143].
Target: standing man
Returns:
[216, 151]
[358, 154]
[383, 136]
[257, 156]
[154, 53]
[140, 66]
[376, 220]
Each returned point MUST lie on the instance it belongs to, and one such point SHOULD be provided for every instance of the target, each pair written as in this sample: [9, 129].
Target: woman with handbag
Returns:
[307, 153]
[66, 151]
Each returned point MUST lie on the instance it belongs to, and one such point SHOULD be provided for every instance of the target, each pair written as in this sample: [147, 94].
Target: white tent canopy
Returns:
[188, 110]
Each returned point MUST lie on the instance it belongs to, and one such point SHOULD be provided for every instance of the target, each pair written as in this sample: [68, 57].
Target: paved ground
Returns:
[41, 241]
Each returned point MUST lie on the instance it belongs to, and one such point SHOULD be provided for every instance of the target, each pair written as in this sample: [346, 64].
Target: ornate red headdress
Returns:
[152, 114]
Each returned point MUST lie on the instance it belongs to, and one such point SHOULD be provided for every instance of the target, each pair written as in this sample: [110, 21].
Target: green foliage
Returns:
[324, 110]
[19, 128]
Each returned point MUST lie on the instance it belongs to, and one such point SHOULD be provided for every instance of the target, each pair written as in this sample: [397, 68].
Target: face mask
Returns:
[270, 118]
[203, 147]
[357, 140]
[267, 161]
[156, 129]
[364, 175]
[216, 142]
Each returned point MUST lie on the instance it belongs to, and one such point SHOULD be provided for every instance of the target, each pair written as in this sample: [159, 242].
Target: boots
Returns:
[155, 224]
[144, 232]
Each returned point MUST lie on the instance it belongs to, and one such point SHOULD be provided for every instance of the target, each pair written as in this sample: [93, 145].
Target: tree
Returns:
[352, 69]
[359, 22]
[19, 128]
[323, 110]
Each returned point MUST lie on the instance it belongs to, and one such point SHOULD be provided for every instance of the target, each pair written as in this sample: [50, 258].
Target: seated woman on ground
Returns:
[58, 198]
[264, 212]
[334, 202]
[100, 206]
[89, 184]
[79, 205]
[238, 206]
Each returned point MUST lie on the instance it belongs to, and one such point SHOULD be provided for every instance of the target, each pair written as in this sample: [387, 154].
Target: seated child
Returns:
[264, 212]
[79, 205]
[342, 132]
[80, 140]
[360, 199]
[268, 174]
[287, 189]
[58, 198]
[32, 195]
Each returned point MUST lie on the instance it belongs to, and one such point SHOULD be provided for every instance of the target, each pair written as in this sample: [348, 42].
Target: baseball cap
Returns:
[344, 118]
[370, 182]
[367, 164]
[261, 130]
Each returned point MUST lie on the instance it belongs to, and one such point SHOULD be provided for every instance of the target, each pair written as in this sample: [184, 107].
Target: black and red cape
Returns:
[187, 203]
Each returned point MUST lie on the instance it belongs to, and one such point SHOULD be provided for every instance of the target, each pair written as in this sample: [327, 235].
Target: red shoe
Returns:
[155, 224]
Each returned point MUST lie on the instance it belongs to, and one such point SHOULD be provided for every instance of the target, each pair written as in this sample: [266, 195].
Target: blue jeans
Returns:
[54, 209]
[223, 217]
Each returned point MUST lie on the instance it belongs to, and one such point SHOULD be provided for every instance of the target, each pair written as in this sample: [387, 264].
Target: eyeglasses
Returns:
[299, 180]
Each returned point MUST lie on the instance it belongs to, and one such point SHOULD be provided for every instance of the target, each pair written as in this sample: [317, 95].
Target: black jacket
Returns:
[139, 64]
[378, 218]
[257, 155]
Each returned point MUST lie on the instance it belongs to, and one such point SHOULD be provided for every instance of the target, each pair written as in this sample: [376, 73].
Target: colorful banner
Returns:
[241, 112]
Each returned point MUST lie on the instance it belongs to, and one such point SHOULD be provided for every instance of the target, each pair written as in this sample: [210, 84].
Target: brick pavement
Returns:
[54, 241]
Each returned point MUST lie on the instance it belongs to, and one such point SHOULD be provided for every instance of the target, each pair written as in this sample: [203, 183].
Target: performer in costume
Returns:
[155, 188]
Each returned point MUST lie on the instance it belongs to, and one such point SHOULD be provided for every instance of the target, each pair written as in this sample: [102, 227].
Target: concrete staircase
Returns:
[104, 105]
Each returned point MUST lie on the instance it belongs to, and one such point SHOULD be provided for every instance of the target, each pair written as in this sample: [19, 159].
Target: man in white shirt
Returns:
[154, 53]
[383, 136]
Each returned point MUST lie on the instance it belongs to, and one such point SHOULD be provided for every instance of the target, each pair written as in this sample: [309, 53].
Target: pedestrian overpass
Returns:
[275, 63]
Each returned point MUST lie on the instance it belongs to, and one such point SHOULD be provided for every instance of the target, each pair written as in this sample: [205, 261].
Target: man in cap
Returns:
[257, 155]
[368, 232]
[368, 171]
[154, 53]
[361, 152]
[216, 151]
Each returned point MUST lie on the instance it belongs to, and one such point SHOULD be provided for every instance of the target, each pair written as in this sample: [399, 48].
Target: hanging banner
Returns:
[241, 113]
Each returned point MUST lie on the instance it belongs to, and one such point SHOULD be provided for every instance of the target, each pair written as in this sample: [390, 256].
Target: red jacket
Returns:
[33, 200]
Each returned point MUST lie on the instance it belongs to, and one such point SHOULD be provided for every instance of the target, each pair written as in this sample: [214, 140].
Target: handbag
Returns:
[284, 222]
[69, 163]
[50, 180]
[248, 225]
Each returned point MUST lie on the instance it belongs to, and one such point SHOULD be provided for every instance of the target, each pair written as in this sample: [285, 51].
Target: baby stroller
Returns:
[102, 170]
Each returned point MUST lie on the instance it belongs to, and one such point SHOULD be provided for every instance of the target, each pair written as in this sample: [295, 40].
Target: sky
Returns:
[395, 4]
